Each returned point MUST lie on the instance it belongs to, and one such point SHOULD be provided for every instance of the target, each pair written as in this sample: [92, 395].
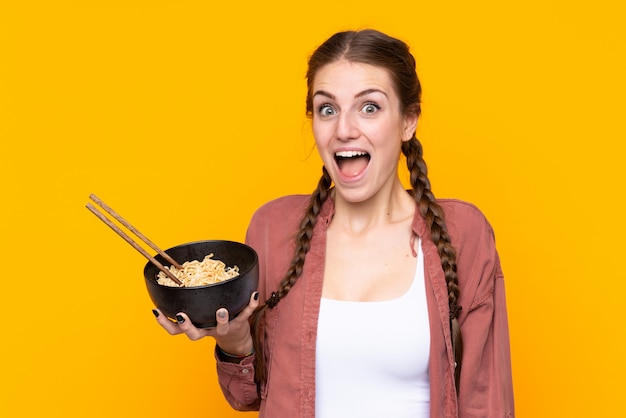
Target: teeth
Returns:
[349, 154]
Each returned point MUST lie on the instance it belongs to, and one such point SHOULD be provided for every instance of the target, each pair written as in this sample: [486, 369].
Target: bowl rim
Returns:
[255, 263]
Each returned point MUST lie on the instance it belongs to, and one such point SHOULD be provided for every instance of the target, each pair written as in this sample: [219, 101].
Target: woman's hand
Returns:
[233, 337]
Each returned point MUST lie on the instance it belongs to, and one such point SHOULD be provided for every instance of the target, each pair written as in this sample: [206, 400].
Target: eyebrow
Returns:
[361, 94]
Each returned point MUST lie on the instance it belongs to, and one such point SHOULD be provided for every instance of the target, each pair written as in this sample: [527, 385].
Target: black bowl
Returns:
[201, 302]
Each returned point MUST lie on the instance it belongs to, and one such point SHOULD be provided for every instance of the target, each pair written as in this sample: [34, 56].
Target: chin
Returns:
[352, 195]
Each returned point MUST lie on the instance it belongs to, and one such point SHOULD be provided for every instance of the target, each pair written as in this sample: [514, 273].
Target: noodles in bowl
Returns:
[199, 273]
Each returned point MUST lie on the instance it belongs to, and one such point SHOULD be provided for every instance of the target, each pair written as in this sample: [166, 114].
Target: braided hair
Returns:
[433, 214]
[375, 48]
[303, 244]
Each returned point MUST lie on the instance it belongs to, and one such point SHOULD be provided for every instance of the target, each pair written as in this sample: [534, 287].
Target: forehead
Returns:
[352, 78]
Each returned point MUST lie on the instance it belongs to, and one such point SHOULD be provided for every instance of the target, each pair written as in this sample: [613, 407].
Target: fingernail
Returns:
[221, 313]
[256, 296]
[180, 319]
[156, 313]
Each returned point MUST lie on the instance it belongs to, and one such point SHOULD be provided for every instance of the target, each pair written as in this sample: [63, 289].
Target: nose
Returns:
[347, 128]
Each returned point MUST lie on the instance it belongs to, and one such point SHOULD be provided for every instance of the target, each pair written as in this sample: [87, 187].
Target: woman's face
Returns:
[359, 127]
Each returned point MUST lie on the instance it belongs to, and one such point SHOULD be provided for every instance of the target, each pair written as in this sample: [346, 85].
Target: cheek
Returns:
[320, 133]
[384, 134]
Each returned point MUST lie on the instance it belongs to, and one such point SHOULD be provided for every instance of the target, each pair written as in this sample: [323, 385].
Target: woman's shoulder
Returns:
[278, 217]
[284, 207]
[463, 212]
[478, 262]
[465, 220]
[286, 202]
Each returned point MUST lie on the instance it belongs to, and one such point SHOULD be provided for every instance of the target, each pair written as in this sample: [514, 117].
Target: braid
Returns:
[432, 212]
[303, 244]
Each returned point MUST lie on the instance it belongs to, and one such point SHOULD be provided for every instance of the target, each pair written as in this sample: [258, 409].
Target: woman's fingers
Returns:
[182, 325]
[222, 316]
[232, 331]
[252, 305]
[222, 322]
[185, 325]
[169, 326]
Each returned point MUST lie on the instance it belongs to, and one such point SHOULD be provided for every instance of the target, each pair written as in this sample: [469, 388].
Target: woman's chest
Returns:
[373, 268]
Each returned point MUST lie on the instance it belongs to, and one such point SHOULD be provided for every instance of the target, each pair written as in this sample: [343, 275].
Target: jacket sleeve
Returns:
[237, 379]
[237, 383]
[270, 228]
[486, 388]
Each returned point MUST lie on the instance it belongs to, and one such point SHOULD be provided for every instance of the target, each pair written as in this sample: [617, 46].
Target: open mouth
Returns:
[352, 163]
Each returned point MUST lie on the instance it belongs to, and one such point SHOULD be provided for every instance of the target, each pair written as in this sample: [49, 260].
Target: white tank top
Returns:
[372, 357]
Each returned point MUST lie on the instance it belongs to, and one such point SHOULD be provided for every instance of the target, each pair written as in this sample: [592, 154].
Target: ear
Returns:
[409, 126]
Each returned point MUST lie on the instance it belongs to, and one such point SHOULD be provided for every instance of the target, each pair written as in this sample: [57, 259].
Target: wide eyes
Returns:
[326, 110]
[368, 108]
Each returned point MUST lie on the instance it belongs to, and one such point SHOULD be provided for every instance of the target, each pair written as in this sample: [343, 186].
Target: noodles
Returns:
[199, 273]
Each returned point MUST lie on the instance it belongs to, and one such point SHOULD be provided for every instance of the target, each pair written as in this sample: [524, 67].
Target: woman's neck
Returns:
[382, 209]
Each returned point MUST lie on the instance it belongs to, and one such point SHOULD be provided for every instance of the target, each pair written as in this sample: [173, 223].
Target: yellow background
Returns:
[187, 115]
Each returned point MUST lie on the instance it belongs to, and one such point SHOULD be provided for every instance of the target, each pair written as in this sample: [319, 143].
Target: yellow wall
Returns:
[187, 115]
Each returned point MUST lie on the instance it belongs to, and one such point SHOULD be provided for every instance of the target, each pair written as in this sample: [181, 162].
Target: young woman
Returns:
[378, 301]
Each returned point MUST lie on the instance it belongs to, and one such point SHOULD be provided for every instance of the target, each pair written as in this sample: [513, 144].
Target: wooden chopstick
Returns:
[129, 240]
[134, 230]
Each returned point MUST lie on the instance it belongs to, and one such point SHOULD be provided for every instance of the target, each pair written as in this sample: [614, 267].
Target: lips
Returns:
[351, 163]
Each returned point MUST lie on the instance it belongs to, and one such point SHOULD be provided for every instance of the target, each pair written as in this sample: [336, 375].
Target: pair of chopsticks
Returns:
[129, 240]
